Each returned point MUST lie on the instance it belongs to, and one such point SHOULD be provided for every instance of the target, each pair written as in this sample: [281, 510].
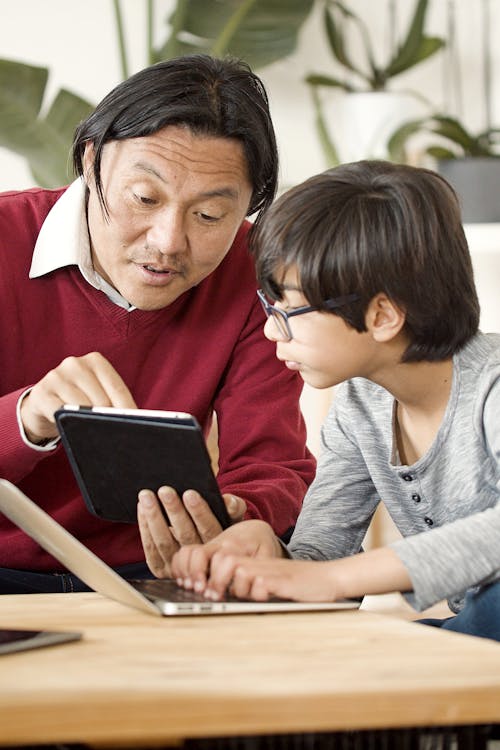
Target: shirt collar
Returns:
[64, 241]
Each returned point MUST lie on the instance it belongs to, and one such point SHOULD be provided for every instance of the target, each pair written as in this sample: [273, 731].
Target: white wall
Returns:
[76, 41]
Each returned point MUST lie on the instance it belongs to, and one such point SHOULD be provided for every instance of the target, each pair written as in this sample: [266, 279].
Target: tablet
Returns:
[23, 640]
[114, 453]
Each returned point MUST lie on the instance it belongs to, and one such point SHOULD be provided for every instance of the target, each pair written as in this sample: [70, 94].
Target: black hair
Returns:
[370, 227]
[209, 96]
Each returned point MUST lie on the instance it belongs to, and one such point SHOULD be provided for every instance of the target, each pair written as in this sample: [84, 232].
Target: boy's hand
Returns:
[191, 522]
[206, 567]
[259, 579]
[378, 571]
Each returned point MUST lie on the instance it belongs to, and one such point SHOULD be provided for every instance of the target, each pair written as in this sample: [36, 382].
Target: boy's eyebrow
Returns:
[290, 288]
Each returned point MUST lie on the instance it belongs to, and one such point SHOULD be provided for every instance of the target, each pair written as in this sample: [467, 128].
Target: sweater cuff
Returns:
[45, 445]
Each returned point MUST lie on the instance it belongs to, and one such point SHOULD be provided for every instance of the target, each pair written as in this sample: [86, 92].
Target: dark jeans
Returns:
[480, 616]
[29, 582]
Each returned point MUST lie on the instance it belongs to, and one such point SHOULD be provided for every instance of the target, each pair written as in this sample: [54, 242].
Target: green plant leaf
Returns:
[450, 128]
[44, 141]
[52, 162]
[316, 79]
[408, 49]
[439, 152]
[429, 45]
[21, 94]
[337, 39]
[258, 31]
[416, 46]
[396, 145]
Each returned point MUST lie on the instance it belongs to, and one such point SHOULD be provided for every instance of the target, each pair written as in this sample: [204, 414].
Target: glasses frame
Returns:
[281, 317]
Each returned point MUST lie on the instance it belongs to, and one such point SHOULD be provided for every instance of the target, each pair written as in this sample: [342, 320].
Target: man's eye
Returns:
[207, 217]
[144, 200]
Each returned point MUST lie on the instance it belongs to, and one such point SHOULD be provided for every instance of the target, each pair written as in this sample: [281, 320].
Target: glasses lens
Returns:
[281, 322]
[279, 317]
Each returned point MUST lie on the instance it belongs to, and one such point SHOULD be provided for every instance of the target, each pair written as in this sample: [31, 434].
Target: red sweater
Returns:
[204, 352]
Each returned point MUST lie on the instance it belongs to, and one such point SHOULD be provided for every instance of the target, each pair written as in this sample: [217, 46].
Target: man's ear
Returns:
[88, 162]
[384, 319]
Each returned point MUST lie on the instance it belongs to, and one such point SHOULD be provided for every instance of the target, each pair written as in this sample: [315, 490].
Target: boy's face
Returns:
[324, 349]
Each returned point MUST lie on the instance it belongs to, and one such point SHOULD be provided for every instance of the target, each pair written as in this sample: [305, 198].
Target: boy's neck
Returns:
[422, 393]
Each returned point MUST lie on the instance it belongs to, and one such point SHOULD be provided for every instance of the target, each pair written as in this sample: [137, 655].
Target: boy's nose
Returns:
[272, 331]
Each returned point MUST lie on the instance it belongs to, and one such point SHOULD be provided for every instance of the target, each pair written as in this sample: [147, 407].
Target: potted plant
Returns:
[258, 31]
[469, 160]
[366, 83]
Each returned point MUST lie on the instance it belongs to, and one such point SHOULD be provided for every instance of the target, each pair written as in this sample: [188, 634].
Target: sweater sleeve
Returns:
[341, 501]
[262, 437]
[17, 459]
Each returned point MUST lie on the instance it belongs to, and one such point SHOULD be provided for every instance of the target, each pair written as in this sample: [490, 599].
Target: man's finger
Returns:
[183, 526]
[205, 523]
[236, 507]
[158, 543]
[108, 380]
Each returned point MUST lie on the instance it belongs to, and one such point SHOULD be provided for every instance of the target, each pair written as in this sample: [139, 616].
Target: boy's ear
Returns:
[384, 319]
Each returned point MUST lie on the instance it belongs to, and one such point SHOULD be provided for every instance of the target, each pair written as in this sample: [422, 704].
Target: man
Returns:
[134, 287]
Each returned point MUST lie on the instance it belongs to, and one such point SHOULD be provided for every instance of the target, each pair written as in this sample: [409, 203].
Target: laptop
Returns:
[155, 596]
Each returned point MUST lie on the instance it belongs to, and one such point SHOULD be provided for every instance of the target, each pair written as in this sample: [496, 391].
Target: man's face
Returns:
[175, 202]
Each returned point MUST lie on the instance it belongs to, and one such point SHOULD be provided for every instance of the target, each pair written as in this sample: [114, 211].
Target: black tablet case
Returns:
[113, 456]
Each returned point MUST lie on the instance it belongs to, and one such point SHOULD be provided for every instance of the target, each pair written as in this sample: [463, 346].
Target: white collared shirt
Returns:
[64, 241]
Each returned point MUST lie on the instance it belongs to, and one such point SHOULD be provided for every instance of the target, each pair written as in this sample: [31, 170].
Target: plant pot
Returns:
[361, 123]
[476, 180]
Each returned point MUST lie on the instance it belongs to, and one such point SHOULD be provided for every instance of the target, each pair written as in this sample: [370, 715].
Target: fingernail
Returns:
[146, 500]
[190, 498]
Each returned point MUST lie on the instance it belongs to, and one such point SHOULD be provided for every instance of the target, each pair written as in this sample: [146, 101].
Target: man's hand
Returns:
[190, 522]
[87, 381]
[209, 568]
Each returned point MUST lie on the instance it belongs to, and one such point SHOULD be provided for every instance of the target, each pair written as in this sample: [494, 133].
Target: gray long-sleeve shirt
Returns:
[446, 506]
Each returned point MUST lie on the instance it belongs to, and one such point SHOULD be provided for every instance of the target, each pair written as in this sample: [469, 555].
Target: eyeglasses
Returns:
[280, 317]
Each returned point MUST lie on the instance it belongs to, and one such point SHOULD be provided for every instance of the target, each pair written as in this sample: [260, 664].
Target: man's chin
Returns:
[152, 305]
[152, 300]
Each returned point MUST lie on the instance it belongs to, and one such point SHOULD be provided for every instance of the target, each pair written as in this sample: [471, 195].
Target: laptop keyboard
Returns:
[167, 588]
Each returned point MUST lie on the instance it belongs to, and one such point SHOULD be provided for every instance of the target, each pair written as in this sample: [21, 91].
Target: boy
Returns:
[372, 281]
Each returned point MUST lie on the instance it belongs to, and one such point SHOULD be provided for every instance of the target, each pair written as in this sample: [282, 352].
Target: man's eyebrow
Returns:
[222, 192]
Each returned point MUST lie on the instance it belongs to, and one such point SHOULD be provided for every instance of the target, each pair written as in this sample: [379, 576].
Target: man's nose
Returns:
[167, 232]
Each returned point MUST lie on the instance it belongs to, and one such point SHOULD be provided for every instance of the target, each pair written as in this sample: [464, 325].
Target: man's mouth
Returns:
[156, 269]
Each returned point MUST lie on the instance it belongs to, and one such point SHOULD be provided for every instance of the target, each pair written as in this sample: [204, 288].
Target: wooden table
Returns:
[138, 679]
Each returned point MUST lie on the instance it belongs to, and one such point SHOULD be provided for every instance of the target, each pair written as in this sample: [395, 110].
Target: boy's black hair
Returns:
[209, 96]
[370, 227]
